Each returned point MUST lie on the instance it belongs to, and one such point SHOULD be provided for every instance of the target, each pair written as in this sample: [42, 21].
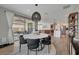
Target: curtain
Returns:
[10, 16]
[3, 27]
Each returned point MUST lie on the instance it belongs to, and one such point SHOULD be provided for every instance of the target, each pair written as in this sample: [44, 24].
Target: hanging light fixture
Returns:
[36, 17]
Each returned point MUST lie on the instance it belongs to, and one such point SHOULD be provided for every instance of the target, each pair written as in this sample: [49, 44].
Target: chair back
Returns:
[22, 40]
[33, 43]
[47, 40]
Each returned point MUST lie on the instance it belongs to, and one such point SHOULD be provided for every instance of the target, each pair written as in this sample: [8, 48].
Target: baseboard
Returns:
[4, 45]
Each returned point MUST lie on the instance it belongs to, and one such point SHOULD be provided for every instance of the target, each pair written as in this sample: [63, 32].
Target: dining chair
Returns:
[47, 41]
[32, 44]
[22, 41]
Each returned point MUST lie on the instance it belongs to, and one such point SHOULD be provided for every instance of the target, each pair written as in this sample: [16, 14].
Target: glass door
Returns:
[30, 27]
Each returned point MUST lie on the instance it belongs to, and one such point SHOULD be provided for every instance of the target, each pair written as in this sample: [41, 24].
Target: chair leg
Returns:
[20, 48]
[41, 46]
[28, 51]
[48, 49]
[38, 48]
[36, 51]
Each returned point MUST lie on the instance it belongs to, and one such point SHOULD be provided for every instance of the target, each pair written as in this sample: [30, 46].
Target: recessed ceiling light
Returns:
[36, 4]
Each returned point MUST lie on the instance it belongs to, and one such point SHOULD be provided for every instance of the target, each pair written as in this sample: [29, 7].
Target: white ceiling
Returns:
[49, 12]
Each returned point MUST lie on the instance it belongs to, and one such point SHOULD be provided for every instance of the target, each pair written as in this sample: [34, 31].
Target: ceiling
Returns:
[49, 12]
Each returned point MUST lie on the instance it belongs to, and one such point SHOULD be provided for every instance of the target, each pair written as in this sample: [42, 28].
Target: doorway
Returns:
[30, 27]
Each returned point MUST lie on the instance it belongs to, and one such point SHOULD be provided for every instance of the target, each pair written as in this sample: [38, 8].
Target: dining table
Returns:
[34, 36]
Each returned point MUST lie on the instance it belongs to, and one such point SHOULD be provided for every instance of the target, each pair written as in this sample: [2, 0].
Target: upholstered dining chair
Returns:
[47, 41]
[32, 44]
[22, 41]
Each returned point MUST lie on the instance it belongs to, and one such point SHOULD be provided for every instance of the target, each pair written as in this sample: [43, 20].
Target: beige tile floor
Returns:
[59, 46]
